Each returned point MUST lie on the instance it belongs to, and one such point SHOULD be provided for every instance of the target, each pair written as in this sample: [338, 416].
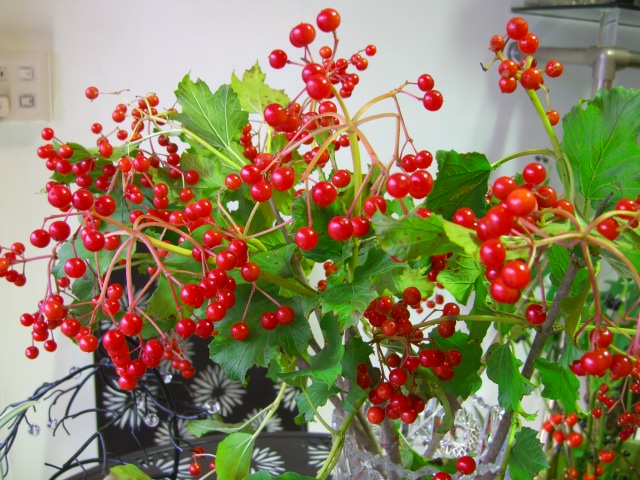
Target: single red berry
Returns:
[466, 465]
[375, 414]
[240, 331]
[432, 100]
[306, 238]
[535, 314]
[328, 20]
[517, 28]
[91, 93]
[302, 35]
[278, 59]
[340, 228]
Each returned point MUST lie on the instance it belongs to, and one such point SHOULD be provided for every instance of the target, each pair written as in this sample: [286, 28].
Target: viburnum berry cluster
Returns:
[216, 217]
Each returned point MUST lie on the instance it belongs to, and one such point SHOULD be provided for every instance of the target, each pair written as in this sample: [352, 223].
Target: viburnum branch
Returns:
[564, 167]
[540, 339]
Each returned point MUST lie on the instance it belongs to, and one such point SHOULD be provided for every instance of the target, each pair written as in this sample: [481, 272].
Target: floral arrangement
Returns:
[232, 199]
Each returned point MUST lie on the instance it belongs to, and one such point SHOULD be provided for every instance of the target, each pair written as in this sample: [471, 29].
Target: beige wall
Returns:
[148, 45]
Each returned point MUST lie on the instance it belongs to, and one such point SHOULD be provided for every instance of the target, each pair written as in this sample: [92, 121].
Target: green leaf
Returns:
[527, 456]
[503, 370]
[465, 380]
[478, 330]
[318, 393]
[412, 237]
[558, 264]
[212, 171]
[356, 351]
[199, 428]
[403, 277]
[572, 305]
[233, 457]
[162, 302]
[462, 181]
[216, 118]
[350, 300]
[261, 345]
[463, 238]
[560, 384]
[253, 93]
[325, 365]
[459, 278]
[277, 260]
[601, 142]
[628, 244]
[127, 472]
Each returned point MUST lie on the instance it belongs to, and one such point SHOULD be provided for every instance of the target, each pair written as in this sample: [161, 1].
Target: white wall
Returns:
[148, 45]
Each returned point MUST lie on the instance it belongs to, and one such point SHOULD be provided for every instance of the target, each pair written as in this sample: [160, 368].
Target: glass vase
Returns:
[473, 425]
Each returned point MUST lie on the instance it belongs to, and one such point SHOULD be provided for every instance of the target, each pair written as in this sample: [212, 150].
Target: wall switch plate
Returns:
[25, 82]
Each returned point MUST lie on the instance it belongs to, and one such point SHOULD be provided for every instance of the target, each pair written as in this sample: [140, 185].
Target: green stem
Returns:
[271, 411]
[332, 431]
[338, 443]
[507, 453]
[217, 153]
[524, 153]
[502, 318]
[564, 167]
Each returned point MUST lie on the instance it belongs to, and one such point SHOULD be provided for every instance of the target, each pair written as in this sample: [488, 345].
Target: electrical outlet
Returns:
[24, 80]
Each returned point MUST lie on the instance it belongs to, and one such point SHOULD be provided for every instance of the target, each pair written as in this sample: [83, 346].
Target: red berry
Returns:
[328, 20]
[375, 414]
[528, 44]
[340, 228]
[517, 28]
[91, 93]
[503, 293]
[306, 238]
[534, 173]
[302, 35]
[432, 100]
[492, 253]
[521, 202]
[497, 43]
[535, 314]
[324, 193]
[531, 79]
[240, 331]
[515, 274]
[278, 59]
[466, 465]
[398, 185]
[554, 68]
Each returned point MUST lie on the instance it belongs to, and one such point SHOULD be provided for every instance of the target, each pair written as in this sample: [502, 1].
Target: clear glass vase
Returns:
[473, 425]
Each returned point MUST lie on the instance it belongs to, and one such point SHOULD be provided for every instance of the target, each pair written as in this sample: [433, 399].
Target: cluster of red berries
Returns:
[527, 72]
[391, 319]
[198, 453]
[465, 465]
[518, 205]
[564, 430]
[9, 260]
[301, 122]
[320, 77]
